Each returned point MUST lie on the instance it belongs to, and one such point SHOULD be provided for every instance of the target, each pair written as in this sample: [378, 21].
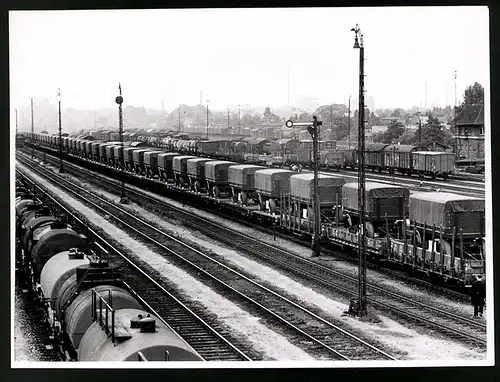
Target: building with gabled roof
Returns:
[469, 132]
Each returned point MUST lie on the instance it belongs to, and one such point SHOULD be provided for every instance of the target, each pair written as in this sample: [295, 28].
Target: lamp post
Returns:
[32, 127]
[313, 129]
[349, 122]
[119, 101]
[207, 119]
[456, 148]
[61, 169]
[358, 44]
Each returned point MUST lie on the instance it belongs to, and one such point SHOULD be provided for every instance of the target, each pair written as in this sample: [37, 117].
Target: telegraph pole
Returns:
[419, 127]
[313, 129]
[207, 119]
[32, 126]
[119, 101]
[358, 44]
[455, 115]
[61, 169]
[228, 119]
[349, 121]
[32, 121]
[16, 122]
[179, 128]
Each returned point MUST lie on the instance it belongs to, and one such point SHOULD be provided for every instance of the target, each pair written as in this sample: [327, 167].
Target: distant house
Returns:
[436, 146]
[388, 120]
[469, 132]
[379, 129]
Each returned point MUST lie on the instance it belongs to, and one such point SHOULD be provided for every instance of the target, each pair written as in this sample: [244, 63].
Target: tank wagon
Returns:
[92, 313]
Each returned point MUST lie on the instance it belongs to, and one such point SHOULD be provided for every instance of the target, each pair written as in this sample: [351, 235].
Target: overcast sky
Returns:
[242, 56]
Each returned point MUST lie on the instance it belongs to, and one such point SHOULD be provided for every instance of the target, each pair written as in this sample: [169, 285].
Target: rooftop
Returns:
[470, 115]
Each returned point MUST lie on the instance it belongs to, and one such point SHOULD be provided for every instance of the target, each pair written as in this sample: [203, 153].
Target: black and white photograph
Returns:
[251, 188]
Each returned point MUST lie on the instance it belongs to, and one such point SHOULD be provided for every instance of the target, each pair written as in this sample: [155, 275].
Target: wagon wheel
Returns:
[197, 186]
[216, 191]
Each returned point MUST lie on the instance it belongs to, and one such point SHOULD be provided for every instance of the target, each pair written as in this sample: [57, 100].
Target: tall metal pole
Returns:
[61, 169]
[179, 128]
[207, 119]
[32, 119]
[358, 44]
[32, 126]
[228, 119]
[16, 122]
[119, 101]
[349, 122]
[313, 129]
[331, 121]
[455, 116]
[317, 221]
[419, 128]
[239, 120]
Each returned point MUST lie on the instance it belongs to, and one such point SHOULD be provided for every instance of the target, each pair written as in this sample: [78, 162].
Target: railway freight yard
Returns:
[158, 245]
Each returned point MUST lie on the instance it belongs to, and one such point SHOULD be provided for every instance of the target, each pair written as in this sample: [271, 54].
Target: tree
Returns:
[474, 94]
[393, 132]
[397, 113]
[433, 131]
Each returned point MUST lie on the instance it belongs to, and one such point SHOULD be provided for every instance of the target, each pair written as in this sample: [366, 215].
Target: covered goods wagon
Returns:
[196, 172]
[433, 163]
[329, 189]
[165, 161]
[151, 162]
[447, 211]
[179, 167]
[242, 176]
[381, 200]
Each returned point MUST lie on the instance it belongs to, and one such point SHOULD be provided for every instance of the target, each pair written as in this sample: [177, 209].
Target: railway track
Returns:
[454, 325]
[206, 340]
[316, 334]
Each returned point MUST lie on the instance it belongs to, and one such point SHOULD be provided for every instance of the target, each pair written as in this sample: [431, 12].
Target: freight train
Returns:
[404, 159]
[93, 315]
[440, 234]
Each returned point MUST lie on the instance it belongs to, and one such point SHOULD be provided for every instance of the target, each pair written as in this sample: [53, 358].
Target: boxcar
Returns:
[433, 163]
